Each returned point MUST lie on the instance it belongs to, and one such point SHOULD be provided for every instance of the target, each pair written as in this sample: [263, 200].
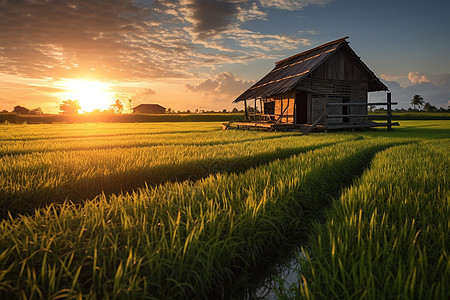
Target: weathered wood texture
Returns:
[340, 66]
[324, 81]
[339, 91]
[280, 105]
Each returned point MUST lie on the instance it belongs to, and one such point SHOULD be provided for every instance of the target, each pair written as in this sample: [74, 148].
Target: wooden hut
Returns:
[149, 109]
[323, 88]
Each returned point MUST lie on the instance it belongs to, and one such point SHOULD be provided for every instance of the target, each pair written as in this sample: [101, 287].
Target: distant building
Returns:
[149, 109]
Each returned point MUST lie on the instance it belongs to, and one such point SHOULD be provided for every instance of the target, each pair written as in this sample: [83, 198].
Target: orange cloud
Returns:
[441, 80]
[392, 77]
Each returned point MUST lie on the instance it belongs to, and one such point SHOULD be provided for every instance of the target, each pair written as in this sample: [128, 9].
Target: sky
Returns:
[202, 54]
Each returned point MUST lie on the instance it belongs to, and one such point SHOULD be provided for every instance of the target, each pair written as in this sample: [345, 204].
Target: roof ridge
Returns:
[341, 40]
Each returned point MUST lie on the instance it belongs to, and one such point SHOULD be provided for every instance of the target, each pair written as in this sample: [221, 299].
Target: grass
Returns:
[388, 235]
[418, 115]
[33, 180]
[143, 231]
[118, 118]
[176, 240]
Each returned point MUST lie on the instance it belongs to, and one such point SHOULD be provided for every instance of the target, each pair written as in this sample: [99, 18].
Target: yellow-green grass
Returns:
[80, 161]
[47, 131]
[418, 115]
[178, 240]
[33, 180]
[132, 140]
[192, 239]
[388, 236]
[119, 118]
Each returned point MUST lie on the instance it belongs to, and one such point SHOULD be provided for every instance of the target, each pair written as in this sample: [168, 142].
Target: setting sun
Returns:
[90, 94]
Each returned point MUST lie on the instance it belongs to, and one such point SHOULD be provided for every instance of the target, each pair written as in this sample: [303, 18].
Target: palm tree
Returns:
[417, 100]
[117, 106]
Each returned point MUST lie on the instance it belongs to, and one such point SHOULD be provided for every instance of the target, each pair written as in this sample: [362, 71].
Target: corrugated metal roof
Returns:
[288, 72]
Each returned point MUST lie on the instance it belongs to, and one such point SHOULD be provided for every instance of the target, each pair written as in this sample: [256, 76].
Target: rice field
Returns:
[186, 210]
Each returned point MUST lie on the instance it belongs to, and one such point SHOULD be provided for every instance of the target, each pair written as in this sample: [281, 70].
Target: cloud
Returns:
[216, 23]
[224, 84]
[252, 13]
[127, 39]
[392, 77]
[28, 95]
[204, 87]
[140, 96]
[441, 80]
[209, 17]
[308, 32]
[103, 38]
[436, 95]
[148, 92]
[292, 4]
[47, 89]
[267, 42]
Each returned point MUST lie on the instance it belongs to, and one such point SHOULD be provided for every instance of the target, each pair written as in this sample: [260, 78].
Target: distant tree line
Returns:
[73, 106]
[417, 103]
[202, 111]
[25, 111]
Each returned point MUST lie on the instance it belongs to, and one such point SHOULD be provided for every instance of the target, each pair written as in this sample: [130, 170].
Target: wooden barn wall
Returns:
[339, 91]
[340, 66]
[281, 102]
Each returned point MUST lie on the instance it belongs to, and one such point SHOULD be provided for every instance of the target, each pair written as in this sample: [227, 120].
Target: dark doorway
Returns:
[345, 110]
[301, 99]
[269, 108]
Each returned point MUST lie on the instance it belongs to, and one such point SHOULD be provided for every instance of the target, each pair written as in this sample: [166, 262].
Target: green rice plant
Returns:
[33, 180]
[217, 137]
[24, 132]
[417, 129]
[177, 240]
[120, 118]
[388, 236]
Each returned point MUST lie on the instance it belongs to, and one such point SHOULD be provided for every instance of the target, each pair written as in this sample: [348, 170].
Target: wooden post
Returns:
[287, 116]
[389, 112]
[325, 112]
[245, 110]
[255, 111]
[261, 108]
[295, 108]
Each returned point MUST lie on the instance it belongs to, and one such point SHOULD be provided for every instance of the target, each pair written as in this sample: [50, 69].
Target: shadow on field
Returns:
[304, 187]
[420, 132]
[260, 283]
[84, 189]
[175, 142]
[65, 137]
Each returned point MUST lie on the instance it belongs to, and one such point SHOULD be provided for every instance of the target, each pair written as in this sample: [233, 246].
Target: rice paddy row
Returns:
[34, 180]
[26, 132]
[388, 236]
[178, 240]
[146, 233]
[218, 137]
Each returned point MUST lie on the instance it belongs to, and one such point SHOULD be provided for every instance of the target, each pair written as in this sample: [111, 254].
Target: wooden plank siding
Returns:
[329, 80]
[339, 91]
[343, 81]
[283, 101]
[340, 66]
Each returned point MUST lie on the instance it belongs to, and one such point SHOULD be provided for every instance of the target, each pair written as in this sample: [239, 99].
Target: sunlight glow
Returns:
[90, 94]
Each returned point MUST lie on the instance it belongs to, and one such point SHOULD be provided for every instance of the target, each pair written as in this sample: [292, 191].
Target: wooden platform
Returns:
[261, 126]
[301, 127]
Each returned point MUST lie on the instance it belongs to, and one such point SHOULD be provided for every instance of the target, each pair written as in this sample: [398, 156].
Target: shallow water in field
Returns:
[285, 272]
[288, 275]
